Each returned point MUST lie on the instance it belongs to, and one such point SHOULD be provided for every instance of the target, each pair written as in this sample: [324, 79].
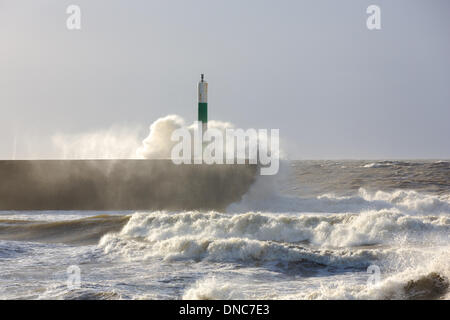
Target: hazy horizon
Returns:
[312, 69]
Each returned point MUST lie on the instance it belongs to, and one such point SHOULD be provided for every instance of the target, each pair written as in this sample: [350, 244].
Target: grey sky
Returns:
[310, 68]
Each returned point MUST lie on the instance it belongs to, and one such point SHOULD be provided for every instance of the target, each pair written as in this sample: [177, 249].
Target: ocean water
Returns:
[318, 230]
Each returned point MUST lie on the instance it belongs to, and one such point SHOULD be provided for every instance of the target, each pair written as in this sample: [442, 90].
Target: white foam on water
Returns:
[213, 289]
[405, 233]
[264, 196]
[338, 230]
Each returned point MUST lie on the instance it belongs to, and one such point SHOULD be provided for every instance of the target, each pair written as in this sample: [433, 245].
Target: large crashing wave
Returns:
[405, 233]
[263, 196]
[331, 231]
[120, 142]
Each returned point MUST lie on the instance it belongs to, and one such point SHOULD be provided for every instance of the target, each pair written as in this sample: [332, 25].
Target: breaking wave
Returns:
[388, 163]
[337, 230]
[288, 242]
[263, 197]
[426, 279]
[120, 142]
[213, 289]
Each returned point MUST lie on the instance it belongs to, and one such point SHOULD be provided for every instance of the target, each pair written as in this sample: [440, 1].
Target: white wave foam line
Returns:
[427, 279]
[263, 196]
[387, 163]
[340, 230]
[213, 289]
[377, 165]
[327, 203]
[253, 237]
[426, 276]
[410, 200]
[231, 250]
